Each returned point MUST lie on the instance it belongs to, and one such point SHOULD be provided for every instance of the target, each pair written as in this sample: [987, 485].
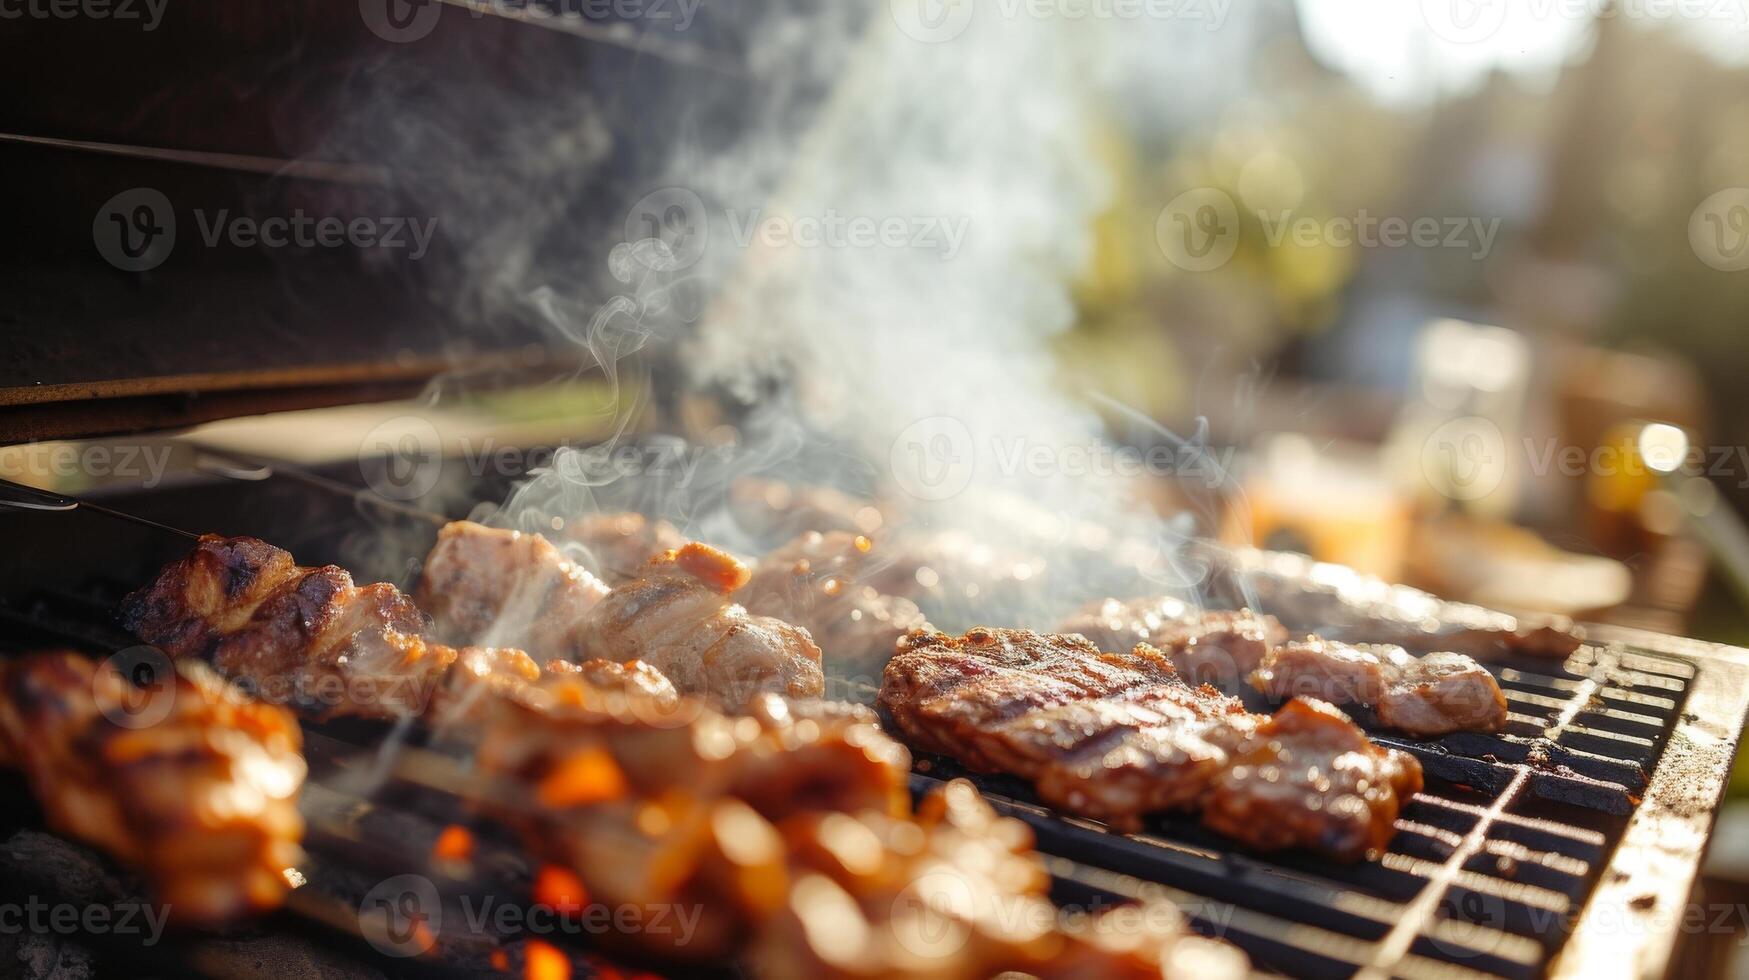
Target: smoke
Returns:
[854, 283]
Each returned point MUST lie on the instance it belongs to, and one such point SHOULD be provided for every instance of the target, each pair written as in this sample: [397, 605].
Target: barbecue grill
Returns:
[1565, 845]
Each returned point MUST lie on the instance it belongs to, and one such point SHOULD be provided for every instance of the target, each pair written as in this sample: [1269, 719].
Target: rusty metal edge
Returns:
[1635, 916]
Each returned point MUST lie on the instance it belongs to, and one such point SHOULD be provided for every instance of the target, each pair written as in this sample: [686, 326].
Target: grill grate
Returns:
[1490, 864]
[1493, 866]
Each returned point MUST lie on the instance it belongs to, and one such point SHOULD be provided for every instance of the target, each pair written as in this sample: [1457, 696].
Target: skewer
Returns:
[20, 497]
[343, 173]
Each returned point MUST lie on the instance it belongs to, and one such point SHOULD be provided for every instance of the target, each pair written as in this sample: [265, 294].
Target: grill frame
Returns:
[1639, 872]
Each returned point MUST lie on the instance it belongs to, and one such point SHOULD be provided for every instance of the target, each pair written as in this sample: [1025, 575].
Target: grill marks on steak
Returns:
[1115, 736]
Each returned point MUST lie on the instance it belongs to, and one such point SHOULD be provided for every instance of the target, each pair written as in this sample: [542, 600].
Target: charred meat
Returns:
[307, 637]
[1117, 736]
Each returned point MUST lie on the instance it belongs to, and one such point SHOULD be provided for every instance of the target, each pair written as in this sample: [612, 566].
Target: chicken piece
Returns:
[620, 543]
[1309, 778]
[188, 781]
[307, 637]
[820, 582]
[1340, 603]
[1427, 696]
[680, 617]
[1218, 647]
[1111, 736]
[494, 587]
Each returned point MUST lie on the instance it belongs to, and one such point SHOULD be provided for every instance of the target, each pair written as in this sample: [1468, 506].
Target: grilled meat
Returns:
[1309, 778]
[1218, 647]
[821, 582]
[1340, 603]
[1426, 696]
[680, 616]
[820, 872]
[188, 781]
[307, 637]
[872, 897]
[1117, 736]
[619, 544]
[502, 588]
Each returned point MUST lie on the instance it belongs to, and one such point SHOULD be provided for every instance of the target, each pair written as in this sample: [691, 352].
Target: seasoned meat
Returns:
[1218, 647]
[821, 582]
[187, 781]
[787, 835]
[307, 637]
[1309, 778]
[1110, 735]
[618, 544]
[1425, 696]
[1340, 603]
[500, 588]
[680, 616]
[1440, 693]
[958, 892]
[476, 677]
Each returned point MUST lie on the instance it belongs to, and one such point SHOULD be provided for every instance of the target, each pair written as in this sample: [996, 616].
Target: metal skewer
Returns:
[20, 497]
